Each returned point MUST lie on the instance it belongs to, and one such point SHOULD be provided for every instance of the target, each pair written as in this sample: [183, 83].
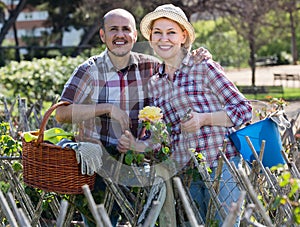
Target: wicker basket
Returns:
[49, 167]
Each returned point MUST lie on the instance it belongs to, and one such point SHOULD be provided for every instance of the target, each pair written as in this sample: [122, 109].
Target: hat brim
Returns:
[146, 23]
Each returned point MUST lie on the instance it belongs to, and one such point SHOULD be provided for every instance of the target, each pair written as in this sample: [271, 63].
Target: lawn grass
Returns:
[290, 94]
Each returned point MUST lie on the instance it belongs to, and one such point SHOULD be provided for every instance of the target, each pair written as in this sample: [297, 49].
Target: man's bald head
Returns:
[121, 13]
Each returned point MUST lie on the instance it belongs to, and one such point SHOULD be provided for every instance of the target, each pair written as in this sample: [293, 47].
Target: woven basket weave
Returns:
[49, 167]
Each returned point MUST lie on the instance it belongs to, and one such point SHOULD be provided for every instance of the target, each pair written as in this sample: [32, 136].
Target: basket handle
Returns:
[46, 118]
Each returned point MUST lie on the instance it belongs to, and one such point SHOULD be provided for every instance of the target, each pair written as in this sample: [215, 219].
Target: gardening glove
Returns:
[90, 157]
[280, 120]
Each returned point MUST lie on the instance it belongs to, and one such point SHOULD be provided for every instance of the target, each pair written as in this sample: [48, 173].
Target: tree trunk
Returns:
[12, 18]
[252, 59]
[253, 67]
[293, 39]
[17, 51]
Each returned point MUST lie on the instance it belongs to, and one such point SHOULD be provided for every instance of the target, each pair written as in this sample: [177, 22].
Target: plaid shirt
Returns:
[97, 81]
[204, 88]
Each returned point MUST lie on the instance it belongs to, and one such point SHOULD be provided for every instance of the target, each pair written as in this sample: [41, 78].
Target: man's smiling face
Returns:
[119, 34]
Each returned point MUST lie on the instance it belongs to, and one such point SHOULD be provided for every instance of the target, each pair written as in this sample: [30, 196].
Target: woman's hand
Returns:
[198, 120]
[195, 122]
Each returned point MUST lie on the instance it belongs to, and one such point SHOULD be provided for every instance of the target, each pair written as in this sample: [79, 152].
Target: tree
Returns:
[94, 10]
[11, 20]
[249, 18]
[291, 7]
[61, 15]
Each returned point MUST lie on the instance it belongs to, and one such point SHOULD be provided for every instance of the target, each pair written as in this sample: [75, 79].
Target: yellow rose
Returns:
[150, 113]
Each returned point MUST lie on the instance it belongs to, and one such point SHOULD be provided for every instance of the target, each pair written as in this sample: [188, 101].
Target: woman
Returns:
[181, 84]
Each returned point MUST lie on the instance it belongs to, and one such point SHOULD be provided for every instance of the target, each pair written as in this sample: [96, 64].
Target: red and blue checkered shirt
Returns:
[97, 81]
[205, 88]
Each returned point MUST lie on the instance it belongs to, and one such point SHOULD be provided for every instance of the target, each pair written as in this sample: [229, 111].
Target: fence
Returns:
[254, 182]
[281, 77]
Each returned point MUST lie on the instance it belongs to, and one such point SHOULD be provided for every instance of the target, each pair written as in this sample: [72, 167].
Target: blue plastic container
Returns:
[262, 130]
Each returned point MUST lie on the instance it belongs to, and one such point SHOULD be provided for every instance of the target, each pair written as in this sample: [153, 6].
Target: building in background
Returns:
[32, 29]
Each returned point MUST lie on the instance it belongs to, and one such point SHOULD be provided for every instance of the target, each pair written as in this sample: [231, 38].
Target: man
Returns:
[113, 82]
[107, 91]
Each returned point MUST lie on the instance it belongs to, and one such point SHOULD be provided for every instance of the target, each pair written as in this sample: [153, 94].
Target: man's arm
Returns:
[76, 113]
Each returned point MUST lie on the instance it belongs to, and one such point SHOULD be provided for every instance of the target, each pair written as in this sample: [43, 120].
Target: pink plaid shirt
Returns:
[204, 88]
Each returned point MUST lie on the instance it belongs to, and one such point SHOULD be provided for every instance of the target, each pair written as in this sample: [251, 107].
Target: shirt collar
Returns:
[188, 61]
[132, 61]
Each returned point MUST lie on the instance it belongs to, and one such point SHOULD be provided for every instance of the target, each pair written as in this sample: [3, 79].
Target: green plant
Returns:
[275, 104]
[226, 45]
[151, 118]
[291, 186]
[8, 145]
[39, 79]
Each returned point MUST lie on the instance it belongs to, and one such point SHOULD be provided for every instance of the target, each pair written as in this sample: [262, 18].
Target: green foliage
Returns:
[201, 159]
[279, 42]
[8, 145]
[151, 120]
[291, 188]
[35, 195]
[132, 157]
[272, 38]
[4, 186]
[40, 79]
[226, 46]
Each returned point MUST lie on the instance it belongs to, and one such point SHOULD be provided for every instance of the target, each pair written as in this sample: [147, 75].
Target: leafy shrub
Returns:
[226, 46]
[8, 145]
[290, 196]
[39, 79]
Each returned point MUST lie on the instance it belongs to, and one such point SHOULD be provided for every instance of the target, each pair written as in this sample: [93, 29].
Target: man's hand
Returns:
[201, 54]
[126, 142]
[121, 116]
[129, 142]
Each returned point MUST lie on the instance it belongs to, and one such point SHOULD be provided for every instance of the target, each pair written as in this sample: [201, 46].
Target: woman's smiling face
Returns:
[167, 38]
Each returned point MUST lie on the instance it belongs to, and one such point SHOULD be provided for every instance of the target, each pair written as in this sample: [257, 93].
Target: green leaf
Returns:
[200, 156]
[286, 175]
[297, 215]
[17, 166]
[283, 200]
[294, 187]
[276, 202]
[11, 143]
[140, 158]
[129, 158]
[285, 179]
[165, 150]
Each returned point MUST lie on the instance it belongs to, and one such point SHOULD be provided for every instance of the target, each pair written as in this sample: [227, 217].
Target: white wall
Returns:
[72, 38]
[33, 16]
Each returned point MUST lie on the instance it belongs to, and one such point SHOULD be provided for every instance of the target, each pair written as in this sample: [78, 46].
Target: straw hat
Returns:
[167, 11]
